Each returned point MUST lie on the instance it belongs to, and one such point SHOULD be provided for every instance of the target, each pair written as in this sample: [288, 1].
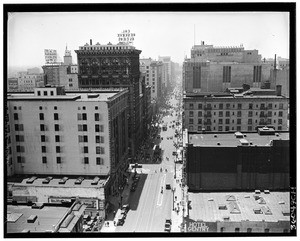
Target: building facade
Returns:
[81, 133]
[214, 69]
[27, 81]
[62, 74]
[220, 162]
[109, 66]
[229, 112]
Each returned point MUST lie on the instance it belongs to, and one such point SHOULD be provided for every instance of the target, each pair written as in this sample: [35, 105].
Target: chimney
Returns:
[275, 62]
[278, 90]
[91, 43]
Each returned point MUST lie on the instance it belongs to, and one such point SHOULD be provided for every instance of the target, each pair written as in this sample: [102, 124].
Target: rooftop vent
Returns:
[257, 191]
[92, 96]
[226, 218]
[95, 181]
[79, 180]
[257, 210]
[215, 136]
[247, 196]
[238, 135]
[266, 210]
[256, 197]
[210, 199]
[37, 206]
[286, 212]
[218, 143]
[32, 219]
[244, 142]
[31, 180]
[261, 201]
[234, 208]
[47, 180]
[267, 191]
[281, 202]
[63, 180]
[222, 207]
[230, 198]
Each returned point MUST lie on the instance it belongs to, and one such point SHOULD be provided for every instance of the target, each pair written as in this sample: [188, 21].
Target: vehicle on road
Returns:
[125, 208]
[168, 186]
[168, 224]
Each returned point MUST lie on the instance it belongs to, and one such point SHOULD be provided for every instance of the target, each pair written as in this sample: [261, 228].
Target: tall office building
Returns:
[53, 133]
[115, 65]
[214, 69]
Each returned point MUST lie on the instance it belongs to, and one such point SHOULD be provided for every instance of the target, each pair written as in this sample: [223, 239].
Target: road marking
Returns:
[161, 195]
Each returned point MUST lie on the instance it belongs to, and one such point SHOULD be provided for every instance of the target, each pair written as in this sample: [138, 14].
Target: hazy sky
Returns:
[157, 33]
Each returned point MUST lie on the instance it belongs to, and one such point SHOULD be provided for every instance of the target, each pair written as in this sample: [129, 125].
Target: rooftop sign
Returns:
[50, 56]
[126, 37]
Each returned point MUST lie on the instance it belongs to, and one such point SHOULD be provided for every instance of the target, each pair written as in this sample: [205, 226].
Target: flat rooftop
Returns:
[240, 206]
[88, 97]
[55, 183]
[230, 140]
[46, 217]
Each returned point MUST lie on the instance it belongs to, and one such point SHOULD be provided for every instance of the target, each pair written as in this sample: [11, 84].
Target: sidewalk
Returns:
[116, 201]
[178, 197]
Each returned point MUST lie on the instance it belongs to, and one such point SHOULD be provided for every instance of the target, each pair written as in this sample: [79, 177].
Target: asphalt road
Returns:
[148, 206]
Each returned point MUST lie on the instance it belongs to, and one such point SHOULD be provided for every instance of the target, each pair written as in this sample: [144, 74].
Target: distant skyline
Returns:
[157, 33]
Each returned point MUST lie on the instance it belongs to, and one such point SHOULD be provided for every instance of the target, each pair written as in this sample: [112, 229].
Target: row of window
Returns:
[99, 149]
[238, 121]
[249, 230]
[239, 106]
[239, 113]
[45, 93]
[99, 160]
[227, 128]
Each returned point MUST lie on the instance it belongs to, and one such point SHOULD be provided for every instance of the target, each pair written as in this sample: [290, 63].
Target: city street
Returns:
[149, 207]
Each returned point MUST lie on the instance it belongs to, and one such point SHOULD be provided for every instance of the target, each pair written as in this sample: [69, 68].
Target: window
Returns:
[82, 127]
[83, 107]
[222, 229]
[279, 128]
[238, 121]
[45, 93]
[267, 230]
[226, 128]
[57, 149]
[42, 127]
[249, 128]
[281, 106]
[279, 121]
[79, 116]
[97, 117]
[237, 230]
[250, 106]
[227, 113]
[39, 93]
[220, 113]
[220, 106]
[84, 116]
[199, 106]
[41, 116]
[97, 128]
[191, 106]
[239, 114]
[16, 117]
[220, 128]
[280, 114]
[200, 121]
[238, 128]
[227, 121]
[97, 149]
[191, 121]
[20, 148]
[44, 159]
[19, 159]
[56, 127]
[239, 106]
[58, 159]
[40, 107]
[285, 230]
[102, 150]
[19, 127]
[43, 138]
[199, 113]
[269, 121]
[249, 121]
[256, 74]
[96, 107]
[191, 114]
[270, 106]
[57, 138]
[269, 113]
[226, 74]
[43, 149]
[249, 230]
[250, 114]
[86, 160]
[55, 116]
[55, 107]
[97, 139]
[101, 139]
[221, 121]
[51, 92]
[227, 106]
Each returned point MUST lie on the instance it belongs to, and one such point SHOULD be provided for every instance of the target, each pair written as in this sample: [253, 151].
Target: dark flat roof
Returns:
[229, 139]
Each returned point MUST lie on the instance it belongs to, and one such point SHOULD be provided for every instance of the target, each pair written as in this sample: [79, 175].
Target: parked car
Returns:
[125, 208]
[168, 224]
[168, 186]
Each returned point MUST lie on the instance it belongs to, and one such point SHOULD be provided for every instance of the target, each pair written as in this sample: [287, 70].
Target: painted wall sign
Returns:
[200, 226]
